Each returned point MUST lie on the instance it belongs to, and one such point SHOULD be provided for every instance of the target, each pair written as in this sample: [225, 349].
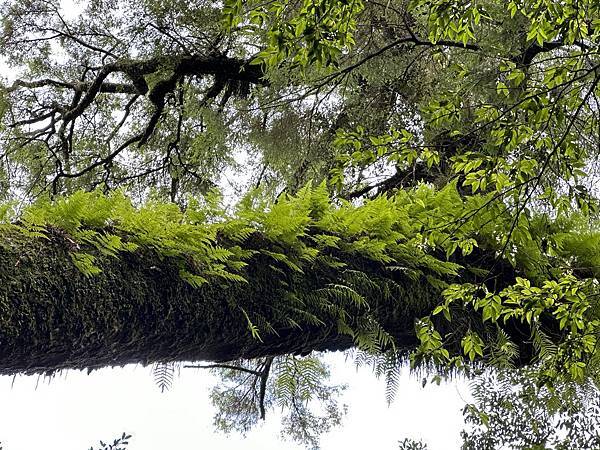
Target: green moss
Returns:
[138, 309]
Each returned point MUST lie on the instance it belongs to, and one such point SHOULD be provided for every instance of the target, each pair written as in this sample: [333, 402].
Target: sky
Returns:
[74, 410]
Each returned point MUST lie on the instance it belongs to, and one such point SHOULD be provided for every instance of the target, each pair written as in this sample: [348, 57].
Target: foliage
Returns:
[308, 229]
[564, 299]
[409, 444]
[512, 411]
[315, 34]
[298, 386]
[118, 444]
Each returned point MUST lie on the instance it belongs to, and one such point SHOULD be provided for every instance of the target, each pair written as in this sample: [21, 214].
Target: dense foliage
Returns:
[440, 146]
[511, 411]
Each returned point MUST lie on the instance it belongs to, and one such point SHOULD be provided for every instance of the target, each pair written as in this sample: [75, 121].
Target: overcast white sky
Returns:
[74, 410]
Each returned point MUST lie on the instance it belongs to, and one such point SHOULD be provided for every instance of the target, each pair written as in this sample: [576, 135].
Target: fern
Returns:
[392, 369]
[85, 263]
[220, 272]
[236, 230]
[254, 330]
[371, 337]
[309, 234]
[282, 258]
[192, 279]
[545, 348]
[503, 352]
[361, 281]
[387, 365]
[304, 317]
[164, 374]
[341, 294]
[297, 378]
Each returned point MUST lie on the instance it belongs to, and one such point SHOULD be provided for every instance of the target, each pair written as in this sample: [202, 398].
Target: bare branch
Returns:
[225, 366]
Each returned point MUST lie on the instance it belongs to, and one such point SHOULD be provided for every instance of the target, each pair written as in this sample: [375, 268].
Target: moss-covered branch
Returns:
[139, 310]
[91, 280]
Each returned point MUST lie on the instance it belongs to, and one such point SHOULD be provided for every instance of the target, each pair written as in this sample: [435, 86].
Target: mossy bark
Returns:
[139, 310]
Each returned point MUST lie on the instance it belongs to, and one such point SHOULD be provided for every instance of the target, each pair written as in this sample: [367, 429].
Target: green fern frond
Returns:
[254, 331]
[370, 336]
[342, 294]
[192, 279]
[545, 348]
[280, 257]
[85, 263]
[225, 275]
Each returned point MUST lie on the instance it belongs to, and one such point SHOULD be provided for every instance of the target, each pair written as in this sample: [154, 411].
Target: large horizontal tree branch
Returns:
[220, 66]
[139, 310]
[155, 78]
[106, 87]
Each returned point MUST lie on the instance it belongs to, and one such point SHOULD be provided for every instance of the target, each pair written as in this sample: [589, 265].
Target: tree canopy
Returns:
[413, 178]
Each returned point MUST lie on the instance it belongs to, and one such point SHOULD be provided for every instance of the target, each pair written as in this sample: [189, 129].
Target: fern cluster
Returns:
[295, 233]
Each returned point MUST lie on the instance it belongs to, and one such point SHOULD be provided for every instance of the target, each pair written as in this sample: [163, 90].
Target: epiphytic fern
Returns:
[163, 374]
[387, 365]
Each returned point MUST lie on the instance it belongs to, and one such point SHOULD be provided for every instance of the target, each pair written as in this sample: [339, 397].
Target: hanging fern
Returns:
[387, 365]
[164, 374]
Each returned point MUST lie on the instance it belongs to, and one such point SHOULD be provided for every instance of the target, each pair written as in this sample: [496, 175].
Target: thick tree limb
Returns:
[55, 122]
[187, 65]
[106, 87]
[139, 310]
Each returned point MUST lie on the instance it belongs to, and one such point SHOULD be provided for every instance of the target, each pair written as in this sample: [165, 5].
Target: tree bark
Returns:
[139, 310]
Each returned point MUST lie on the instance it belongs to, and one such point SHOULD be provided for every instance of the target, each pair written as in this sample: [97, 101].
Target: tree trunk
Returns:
[139, 310]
